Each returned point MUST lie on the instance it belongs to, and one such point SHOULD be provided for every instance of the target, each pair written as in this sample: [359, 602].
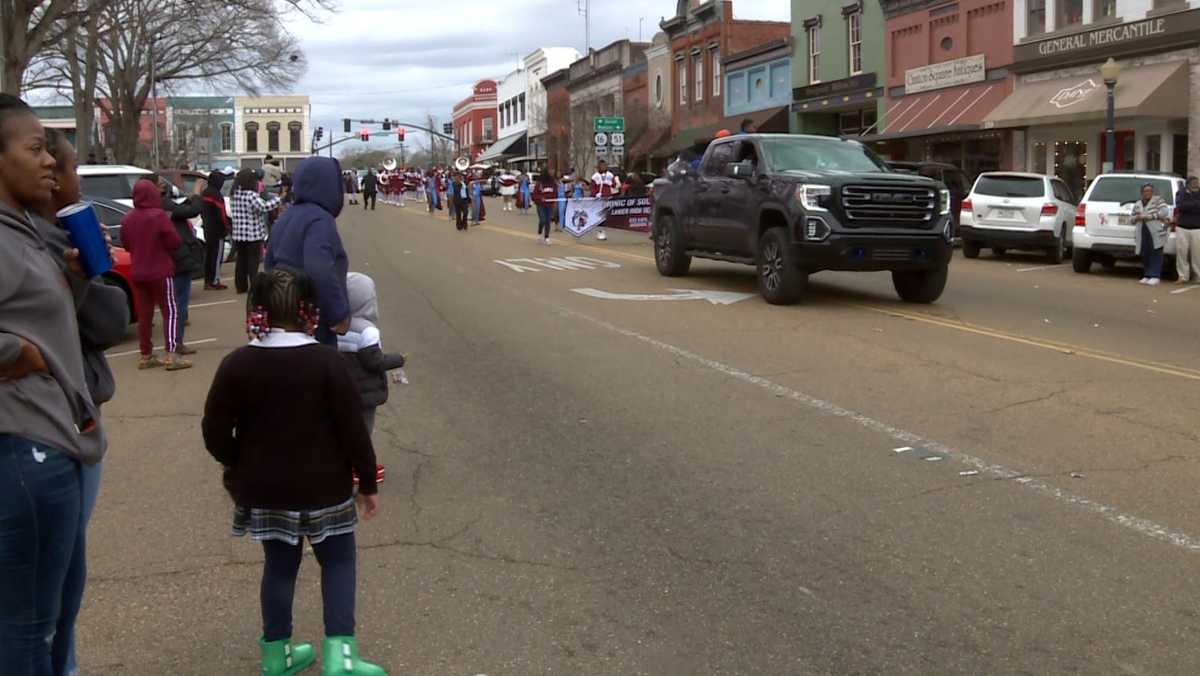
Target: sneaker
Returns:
[185, 349]
[1154, 281]
[1143, 280]
[547, 241]
[178, 365]
[150, 362]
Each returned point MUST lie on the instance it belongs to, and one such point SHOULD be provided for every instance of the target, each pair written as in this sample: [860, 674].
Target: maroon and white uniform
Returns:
[605, 184]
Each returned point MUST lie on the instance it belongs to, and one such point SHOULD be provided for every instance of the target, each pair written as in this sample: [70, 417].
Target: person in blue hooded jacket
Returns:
[306, 238]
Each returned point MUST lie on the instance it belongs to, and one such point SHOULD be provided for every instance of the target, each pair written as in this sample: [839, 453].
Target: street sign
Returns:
[602, 139]
[617, 138]
[617, 153]
[601, 152]
[608, 124]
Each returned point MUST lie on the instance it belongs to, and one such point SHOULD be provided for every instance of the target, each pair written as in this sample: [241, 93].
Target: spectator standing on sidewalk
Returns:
[524, 193]
[604, 185]
[285, 420]
[189, 257]
[249, 226]
[352, 186]
[271, 174]
[544, 195]
[215, 220]
[370, 189]
[1187, 233]
[1150, 217]
[49, 423]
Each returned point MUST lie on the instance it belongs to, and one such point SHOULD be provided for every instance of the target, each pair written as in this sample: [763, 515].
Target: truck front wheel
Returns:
[780, 279]
[670, 256]
[920, 286]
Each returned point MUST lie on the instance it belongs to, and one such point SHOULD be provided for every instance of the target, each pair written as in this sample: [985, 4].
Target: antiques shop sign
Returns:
[946, 74]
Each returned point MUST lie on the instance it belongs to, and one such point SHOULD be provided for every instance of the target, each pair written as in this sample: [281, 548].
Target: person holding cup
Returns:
[49, 425]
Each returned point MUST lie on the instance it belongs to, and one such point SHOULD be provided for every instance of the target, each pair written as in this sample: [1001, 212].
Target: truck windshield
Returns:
[812, 154]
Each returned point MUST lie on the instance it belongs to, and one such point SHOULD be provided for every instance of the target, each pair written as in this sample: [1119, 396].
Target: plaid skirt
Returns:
[293, 526]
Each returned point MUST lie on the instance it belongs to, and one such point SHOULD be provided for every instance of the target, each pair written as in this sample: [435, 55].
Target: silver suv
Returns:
[1012, 210]
[1103, 232]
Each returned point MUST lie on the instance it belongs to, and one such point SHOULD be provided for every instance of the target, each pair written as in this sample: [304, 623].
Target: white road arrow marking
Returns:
[714, 297]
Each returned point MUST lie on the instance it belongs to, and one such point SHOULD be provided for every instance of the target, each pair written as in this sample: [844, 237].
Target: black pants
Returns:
[214, 248]
[369, 197]
[460, 215]
[336, 555]
[249, 255]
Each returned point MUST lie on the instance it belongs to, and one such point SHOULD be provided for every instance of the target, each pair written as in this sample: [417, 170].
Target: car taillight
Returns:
[1049, 209]
[1081, 215]
[966, 205]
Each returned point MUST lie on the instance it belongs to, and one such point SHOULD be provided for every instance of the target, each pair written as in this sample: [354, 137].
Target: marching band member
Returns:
[508, 189]
[604, 185]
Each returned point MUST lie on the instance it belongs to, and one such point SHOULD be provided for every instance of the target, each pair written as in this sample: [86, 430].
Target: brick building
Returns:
[596, 84]
[659, 100]
[558, 121]
[636, 96]
[700, 33]
[475, 122]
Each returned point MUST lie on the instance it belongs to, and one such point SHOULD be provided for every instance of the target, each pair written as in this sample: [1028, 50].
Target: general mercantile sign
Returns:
[1157, 33]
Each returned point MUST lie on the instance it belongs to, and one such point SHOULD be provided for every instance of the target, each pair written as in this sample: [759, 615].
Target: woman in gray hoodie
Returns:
[49, 424]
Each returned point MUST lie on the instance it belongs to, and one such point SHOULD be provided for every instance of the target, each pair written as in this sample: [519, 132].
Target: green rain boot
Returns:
[339, 656]
[281, 658]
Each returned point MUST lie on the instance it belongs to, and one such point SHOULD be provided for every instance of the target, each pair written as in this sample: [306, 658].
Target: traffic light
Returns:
[346, 124]
[400, 135]
[320, 132]
[387, 124]
[365, 134]
[448, 128]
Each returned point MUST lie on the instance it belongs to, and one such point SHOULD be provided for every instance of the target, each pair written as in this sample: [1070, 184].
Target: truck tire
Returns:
[1081, 260]
[920, 286]
[780, 279]
[670, 255]
[970, 249]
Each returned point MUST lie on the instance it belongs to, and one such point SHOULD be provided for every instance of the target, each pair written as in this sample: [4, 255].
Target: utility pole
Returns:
[640, 20]
[585, 10]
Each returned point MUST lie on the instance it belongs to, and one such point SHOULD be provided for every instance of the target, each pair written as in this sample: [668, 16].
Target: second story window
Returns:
[1035, 22]
[294, 129]
[814, 54]
[251, 137]
[698, 66]
[682, 79]
[854, 26]
[272, 137]
[1068, 13]
[1107, 9]
[716, 69]
[226, 138]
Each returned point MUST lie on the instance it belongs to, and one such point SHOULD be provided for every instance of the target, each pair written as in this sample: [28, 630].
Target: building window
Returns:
[226, 138]
[180, 136]
[1168, 4]
[1035, 24]
[814, 54]
[854, 23]
[683, 75]
[1154, 153]
[522, 99]
[1040, 157]
[1107, 9]
[488, 131]
[251, 137]
[1068, 13]
[272, 137]
[716, 69]
[658, 89]
[698, 65]
[294, 129]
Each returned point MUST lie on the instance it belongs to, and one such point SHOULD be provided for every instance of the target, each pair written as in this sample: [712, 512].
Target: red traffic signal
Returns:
[365, 134]
[400, 135]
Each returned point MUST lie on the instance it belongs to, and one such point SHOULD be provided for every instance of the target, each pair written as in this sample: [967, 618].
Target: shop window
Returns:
[272, 137]
[1035, 23]
[1039, 158]
[1104, 9]
[1070, 164]
[869, 118]
[1069, 13]
[1126, 153]
[1179, 154]
[1153, 152]
[850, 123]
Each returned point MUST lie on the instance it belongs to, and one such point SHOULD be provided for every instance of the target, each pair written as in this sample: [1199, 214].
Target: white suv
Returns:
[1012, 210]
[1103, 232]
[115, 182]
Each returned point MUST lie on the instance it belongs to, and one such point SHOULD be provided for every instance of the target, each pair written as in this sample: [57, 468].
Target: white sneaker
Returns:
[1143, 280]
[1153, 281]
[602, 235]
[547, 241]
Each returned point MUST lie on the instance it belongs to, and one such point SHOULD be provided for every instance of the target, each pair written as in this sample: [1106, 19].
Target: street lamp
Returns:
[1111, 70]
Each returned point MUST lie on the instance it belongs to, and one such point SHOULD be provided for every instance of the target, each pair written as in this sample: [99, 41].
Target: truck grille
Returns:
[888, 206]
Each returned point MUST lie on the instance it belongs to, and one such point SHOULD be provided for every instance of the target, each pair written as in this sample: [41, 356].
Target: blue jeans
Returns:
[40, 508]
[183, 295]
[72, 601]
[544, 219]
[1152, 259]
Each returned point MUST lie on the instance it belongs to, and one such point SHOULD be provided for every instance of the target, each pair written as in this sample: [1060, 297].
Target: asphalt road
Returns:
[597, 485]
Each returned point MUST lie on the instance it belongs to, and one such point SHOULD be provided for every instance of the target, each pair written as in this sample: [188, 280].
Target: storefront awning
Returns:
[1160, 90]
[769, 121]
[939, 112]
[509, 146]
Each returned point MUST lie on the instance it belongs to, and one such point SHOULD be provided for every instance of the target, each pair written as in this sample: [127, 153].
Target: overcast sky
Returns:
[409, 58]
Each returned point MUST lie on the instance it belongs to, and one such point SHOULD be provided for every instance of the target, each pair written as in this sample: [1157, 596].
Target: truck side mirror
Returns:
[742, 170]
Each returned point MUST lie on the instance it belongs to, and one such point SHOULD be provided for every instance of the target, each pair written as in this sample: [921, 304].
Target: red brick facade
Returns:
[558, 122]
[475, 120]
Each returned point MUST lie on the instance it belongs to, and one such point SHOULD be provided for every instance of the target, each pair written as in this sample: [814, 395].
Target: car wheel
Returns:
[1081, 261]
[1058, 250]
[920, 286]
[999, 251]
[670, 256]
[780, 279]
[970, 249]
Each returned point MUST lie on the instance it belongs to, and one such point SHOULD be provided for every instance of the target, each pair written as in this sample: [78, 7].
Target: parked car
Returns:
[1103, 232]
[1013, 210]
[121, 276]
[792, 205]
[185, 179]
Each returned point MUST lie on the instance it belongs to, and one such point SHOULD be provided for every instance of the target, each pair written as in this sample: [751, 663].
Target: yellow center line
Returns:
[1029, 341]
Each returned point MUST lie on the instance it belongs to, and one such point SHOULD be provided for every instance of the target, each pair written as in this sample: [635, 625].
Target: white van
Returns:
[1103, 232]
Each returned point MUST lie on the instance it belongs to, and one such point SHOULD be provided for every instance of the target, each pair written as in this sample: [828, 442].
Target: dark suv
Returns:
[793, 205]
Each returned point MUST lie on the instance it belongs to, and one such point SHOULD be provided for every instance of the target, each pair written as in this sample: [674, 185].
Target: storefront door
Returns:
[1125, 151]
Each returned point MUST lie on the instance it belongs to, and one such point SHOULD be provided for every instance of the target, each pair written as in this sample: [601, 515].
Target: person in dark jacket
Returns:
[370, 189]
[189, 257]
[1187, 232]
[460, 195]
[215, 220]
[306, 239]
[151, 241]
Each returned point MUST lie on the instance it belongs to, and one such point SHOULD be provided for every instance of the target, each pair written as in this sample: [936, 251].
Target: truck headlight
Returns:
[944, 196]
[814, 197]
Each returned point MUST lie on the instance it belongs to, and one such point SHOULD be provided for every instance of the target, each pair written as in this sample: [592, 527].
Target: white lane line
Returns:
[1039, 267]
[1135, 523]
[110, 355]
[192, 306]
[1185, 289]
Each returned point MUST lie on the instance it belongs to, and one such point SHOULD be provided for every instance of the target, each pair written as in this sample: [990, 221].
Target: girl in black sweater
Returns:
[285, 419]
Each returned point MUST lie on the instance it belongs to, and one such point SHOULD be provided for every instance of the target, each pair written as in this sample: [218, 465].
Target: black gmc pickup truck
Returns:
[793, 205]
